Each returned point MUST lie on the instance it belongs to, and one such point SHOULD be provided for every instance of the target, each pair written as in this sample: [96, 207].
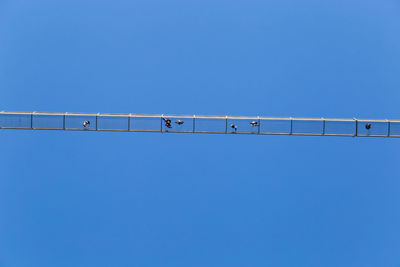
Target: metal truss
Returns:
[199, 124]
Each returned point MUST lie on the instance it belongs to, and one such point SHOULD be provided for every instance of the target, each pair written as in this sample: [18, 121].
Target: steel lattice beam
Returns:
[199, 124]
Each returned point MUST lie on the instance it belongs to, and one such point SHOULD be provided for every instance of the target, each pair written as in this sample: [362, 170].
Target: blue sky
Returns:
[142, 199]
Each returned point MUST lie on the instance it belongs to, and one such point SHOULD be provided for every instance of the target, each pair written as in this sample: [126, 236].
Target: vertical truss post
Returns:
[194, 123]
[291, 125]
[356, 133]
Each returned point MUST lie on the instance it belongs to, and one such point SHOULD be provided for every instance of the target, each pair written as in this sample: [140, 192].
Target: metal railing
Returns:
[199, 124]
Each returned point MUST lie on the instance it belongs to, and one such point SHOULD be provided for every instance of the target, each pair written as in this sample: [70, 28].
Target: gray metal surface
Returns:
[199, 124]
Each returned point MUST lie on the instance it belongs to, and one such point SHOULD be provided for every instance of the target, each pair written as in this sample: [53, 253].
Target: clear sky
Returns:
[143, 199]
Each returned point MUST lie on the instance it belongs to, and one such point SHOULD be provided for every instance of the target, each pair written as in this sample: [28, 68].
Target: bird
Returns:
[254, 123]
[179, 122]
[368, 126]
[167, 123]
[233, 126]
[86, 124]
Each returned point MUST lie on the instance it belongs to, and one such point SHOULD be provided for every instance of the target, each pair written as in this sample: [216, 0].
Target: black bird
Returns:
[368, 126]
[254, 123]
[179, 122]
[167, 123]
[86, 124]
[233, 126]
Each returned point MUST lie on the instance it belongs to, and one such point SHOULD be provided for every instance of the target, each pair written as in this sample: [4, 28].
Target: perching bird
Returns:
[167, 123]
[254, 123]
[368, 126]
[233, 126]
[179, 122]
[86, 124]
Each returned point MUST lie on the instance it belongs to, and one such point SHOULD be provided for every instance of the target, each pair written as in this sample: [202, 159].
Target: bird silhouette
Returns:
[233, 126]
[167, 123]
[254, 123]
